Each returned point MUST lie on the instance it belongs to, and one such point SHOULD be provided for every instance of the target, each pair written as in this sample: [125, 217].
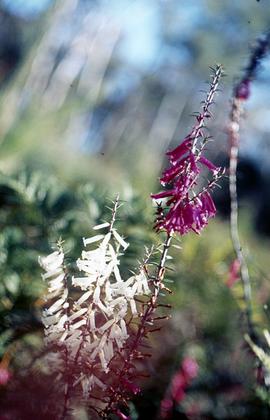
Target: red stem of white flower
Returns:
[151, 307]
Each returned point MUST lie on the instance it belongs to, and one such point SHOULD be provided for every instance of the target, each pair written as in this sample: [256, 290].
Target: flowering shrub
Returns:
[99, 319]
[101, 309]
[97, 337]
[92, 333]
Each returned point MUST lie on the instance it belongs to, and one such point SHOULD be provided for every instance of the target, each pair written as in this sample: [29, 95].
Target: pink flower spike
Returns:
[185, 209]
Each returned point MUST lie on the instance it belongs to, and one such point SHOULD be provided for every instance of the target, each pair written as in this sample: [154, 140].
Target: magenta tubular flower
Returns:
[187, 209]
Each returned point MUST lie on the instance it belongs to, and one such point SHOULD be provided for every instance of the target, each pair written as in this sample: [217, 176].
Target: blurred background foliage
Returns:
[92, 93]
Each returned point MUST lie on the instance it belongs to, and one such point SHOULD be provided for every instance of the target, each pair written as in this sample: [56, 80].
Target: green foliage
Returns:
[37, 209]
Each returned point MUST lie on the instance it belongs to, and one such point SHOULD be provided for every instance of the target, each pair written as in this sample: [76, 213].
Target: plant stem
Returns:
[151, 307]
[234, 151]
[114, 210]
[67, 391]
[204, 114]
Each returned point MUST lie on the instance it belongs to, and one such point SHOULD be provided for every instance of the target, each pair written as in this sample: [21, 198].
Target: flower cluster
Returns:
[186, 208]
[93, 328]
[99, 320]
[55, 316]
[102, 309]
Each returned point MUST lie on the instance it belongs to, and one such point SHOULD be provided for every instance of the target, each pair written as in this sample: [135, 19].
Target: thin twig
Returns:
[234, 151]
[151, 307]
[241, 94]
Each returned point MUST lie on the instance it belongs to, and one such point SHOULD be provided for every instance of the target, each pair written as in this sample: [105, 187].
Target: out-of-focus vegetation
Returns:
[92, 95]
